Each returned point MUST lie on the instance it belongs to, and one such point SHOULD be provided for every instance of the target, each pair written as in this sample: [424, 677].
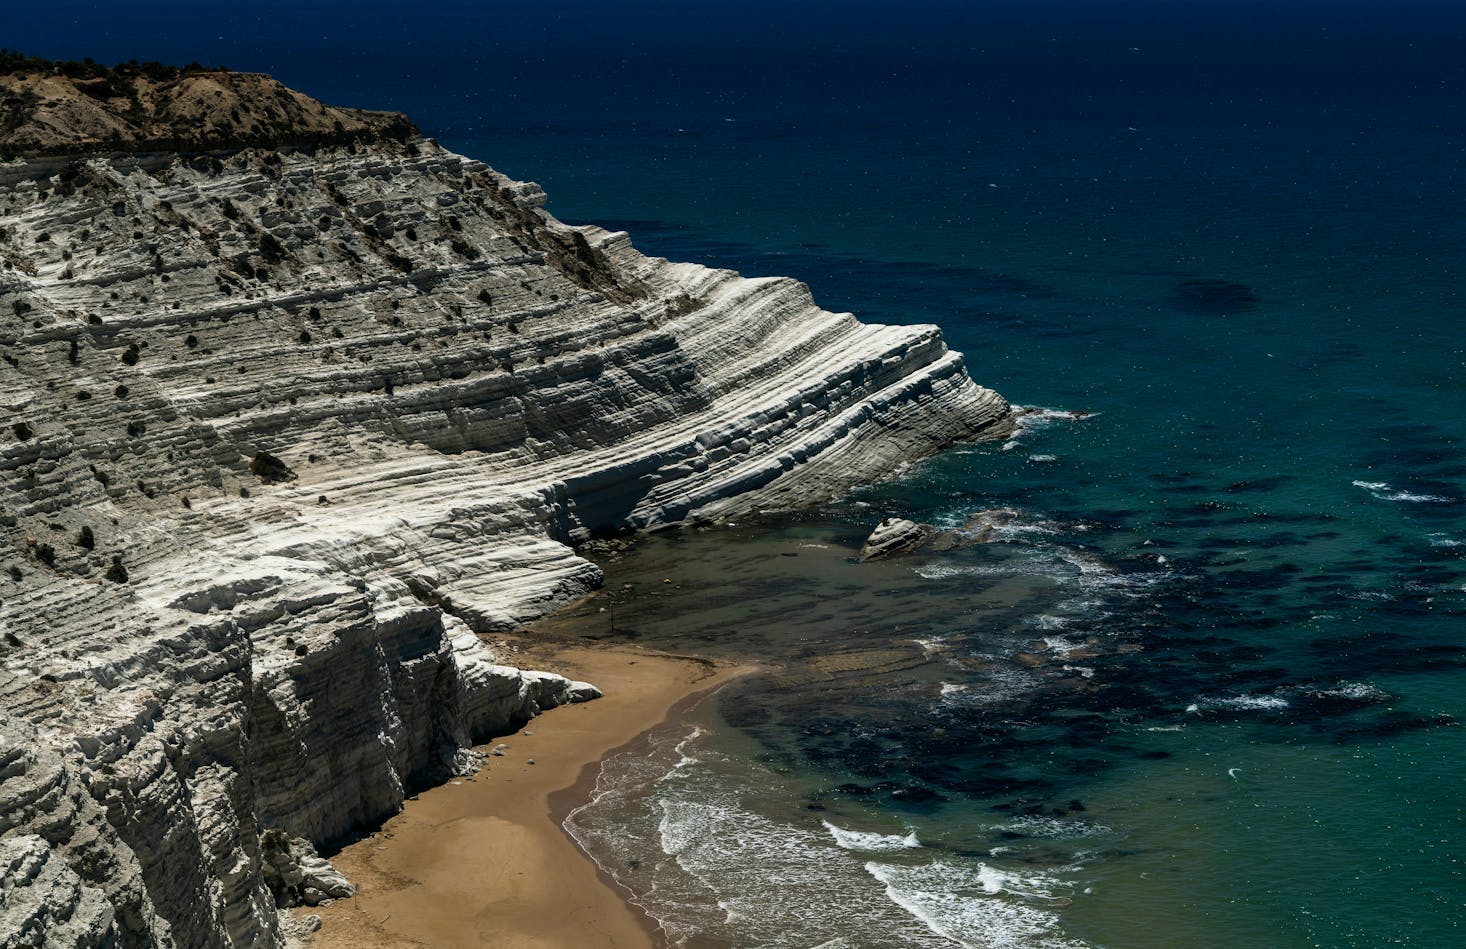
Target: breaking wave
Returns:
[1384, 492]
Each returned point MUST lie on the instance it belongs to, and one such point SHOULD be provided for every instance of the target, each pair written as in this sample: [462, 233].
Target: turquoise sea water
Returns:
[1205, 691]
[1229, 626]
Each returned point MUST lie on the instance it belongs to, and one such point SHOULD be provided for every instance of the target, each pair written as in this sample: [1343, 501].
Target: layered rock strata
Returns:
[892, 536]
[282, 431]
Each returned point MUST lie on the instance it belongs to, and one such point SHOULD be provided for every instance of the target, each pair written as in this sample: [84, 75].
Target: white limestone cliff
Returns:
[281, 431]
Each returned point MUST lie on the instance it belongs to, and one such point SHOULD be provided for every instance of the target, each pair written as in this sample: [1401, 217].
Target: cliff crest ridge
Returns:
[58, 108]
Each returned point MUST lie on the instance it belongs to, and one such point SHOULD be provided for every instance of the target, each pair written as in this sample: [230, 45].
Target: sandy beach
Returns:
[483, 860]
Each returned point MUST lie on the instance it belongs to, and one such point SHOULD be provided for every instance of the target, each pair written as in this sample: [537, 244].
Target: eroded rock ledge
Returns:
[284, 430]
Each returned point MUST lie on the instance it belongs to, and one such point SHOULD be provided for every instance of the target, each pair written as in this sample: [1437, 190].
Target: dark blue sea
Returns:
[1205, 689]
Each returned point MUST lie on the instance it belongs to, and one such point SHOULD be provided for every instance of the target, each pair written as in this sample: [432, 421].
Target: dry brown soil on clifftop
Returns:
[64, 108]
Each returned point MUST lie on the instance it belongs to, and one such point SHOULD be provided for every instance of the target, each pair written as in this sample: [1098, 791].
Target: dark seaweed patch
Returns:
[1280, 539]
[1348, 658]
[1389, 725]
[1186, 489]
[1295, 518]
[1214, 297]
[1257, 484]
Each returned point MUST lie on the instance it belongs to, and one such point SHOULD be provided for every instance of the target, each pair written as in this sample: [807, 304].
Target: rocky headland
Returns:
[295, 404]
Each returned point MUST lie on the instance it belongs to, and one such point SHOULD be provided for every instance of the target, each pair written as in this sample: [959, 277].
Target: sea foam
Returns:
[1029, 418]
[976, 906]
[1355, 692]
[734, 854]
[1384, 492]
[871, 842]
[1037, 825]
[1246, 702]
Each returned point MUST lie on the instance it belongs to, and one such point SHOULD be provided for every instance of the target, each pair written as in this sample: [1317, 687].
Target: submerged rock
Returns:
[1214, 297]
[979, 528]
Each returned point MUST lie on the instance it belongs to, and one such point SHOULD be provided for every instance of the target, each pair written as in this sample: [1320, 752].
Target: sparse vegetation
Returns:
[117, 573]
[102, 78]
[271, 248]
[269, 469]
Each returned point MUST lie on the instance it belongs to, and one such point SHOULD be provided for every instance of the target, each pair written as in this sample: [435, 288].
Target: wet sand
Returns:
[484, 860]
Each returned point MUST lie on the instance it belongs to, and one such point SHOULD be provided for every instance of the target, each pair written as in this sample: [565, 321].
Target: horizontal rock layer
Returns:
[282, 431]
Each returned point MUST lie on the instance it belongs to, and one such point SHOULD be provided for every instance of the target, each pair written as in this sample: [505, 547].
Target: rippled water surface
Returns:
[1205, 691]
[1061, 737]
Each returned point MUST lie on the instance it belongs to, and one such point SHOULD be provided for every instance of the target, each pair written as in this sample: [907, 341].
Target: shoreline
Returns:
[567, 800]
[486, 859]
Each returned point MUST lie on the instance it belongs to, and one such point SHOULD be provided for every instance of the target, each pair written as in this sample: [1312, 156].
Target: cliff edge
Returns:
[284, 429]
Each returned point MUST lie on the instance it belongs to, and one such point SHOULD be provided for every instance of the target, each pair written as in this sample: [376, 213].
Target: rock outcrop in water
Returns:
[285, 428]
[895, 535]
